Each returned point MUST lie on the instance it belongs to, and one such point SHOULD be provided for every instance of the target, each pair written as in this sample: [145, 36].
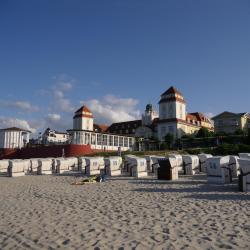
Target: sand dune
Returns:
[46, 212]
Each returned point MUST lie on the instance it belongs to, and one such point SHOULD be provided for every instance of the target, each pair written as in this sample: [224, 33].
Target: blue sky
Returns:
[116, 56]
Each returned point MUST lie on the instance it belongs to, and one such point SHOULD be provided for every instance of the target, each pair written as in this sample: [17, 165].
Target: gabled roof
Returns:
[172, 90]
[101, 127]
[83, 109]
[231, 113]
[15, 129]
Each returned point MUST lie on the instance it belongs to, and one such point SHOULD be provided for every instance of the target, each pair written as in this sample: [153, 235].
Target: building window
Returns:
[111, 139]
[87, 138]
[99, 139]
[104, 140]
[115, 140]
[121, 141]
[93, 141]
[125, 142]
[171, 129]
[163, 111]
[171, 111]
[130, 142]
[220, 122]
[163, 131]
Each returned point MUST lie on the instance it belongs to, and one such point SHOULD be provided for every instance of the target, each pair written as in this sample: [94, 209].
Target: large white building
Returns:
[11, 138]
[173, 118]
[84, 132]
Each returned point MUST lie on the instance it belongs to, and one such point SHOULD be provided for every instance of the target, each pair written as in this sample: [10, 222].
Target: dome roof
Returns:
[149, 107]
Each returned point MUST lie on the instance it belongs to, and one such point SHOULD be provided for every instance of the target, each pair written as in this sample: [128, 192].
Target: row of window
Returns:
[125, 126]
[232, 122]
[105, 140]
[123, 132]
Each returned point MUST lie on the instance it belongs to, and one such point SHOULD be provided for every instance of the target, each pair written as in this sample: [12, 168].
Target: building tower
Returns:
[149, 115]
[172, 105]
[83, 119]
[172, 110]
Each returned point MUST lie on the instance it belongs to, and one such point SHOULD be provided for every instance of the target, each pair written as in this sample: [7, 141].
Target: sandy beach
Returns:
[46, 212]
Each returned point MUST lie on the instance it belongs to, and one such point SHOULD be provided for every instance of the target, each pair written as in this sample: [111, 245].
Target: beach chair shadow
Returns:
[239, 196]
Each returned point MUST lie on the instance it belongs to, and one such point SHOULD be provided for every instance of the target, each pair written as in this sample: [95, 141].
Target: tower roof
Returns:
[83, 109]
[172, 90]
[83, 112]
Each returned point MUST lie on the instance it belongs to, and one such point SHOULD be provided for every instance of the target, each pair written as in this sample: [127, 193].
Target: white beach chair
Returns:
[244, 155]
[73, 163]
[62, 165]
[27, 165]
[34, 166]
[155, 164]
[119, 159]
[4, 165]
[234, 165]
[82, 164]
[149, 160]
[218, 170]
[168, 169]
[179, 162]
[45, 166]
[128, 160]
[244, 177]
[17, 168]
[202, 161]
[190, 164]
[92, 166]
[139, 167]
[113, 166]
[101, 164]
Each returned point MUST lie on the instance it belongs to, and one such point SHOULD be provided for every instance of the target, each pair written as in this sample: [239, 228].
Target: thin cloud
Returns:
[20, 105]
[6, 122]
[60, 101]
[112, 109]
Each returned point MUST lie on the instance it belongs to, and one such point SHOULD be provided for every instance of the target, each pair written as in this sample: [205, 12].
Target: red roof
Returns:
[101, 127]
[83, 109]
[197, 116]
[191, 117]
[172, 90]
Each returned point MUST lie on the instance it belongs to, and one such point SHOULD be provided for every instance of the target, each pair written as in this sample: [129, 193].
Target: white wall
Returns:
[83, 123]
[165, 128]
[13, 139]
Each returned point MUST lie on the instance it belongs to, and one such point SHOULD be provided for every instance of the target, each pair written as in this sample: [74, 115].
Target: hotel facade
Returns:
[173, 119]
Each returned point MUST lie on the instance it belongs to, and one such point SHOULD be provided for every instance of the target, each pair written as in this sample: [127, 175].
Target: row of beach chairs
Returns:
[87, 165]
[219, 169]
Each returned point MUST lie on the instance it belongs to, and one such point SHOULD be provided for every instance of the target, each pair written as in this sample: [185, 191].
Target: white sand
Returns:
[46, 212]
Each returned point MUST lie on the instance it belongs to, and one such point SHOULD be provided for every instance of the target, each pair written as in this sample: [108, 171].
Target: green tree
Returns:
[203, 132]
[169, 139]
[238, 132]
[248, 137]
